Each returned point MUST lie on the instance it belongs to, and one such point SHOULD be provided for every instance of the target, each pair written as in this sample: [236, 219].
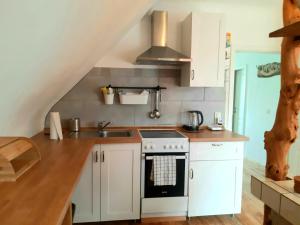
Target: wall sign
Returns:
[268, 70]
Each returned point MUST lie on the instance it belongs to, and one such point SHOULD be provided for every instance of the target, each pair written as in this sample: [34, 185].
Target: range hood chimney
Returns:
[160, 53]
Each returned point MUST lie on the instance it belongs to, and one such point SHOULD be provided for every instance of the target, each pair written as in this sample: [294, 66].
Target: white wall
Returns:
[250, 22]
[46, 47]
[261, 101]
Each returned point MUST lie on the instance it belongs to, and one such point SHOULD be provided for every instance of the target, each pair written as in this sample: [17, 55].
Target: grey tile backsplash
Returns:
[86, 101]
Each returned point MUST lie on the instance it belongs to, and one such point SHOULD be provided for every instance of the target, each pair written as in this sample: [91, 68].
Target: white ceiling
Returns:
[249, 25]
[46, 47]
[244, 2]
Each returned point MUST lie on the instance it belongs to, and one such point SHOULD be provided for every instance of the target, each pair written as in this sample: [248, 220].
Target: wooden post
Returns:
[284, 132]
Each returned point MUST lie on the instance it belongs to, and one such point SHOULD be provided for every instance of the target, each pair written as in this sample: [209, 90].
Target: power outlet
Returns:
[218, 118]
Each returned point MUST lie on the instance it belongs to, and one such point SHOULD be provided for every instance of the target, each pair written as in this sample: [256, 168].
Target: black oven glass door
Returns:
[152, 191]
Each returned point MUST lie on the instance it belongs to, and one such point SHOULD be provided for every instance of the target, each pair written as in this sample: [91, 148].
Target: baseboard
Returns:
[163, 219]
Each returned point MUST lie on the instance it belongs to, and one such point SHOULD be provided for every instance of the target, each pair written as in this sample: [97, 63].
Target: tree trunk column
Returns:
[284, 132]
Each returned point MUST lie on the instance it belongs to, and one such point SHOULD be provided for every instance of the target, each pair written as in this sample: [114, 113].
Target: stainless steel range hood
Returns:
[160, 53]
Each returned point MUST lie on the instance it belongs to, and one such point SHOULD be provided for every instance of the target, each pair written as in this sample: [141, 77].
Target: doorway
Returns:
[239, 101]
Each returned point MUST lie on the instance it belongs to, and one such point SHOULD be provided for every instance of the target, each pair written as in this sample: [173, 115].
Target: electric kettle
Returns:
[195, 120]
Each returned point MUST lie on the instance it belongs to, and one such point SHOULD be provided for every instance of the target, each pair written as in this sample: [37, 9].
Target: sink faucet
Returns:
[102, 125]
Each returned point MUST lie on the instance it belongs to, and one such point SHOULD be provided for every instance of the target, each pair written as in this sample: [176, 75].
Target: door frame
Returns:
[244, 73]
[229, 90]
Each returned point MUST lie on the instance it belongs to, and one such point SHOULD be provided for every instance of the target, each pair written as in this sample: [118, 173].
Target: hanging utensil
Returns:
[155, 114]
[152, 114]
[156, 110]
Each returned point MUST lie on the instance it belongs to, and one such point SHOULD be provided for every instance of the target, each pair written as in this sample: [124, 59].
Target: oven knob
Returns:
[171, 146]
[165, 147]
[176, 146]
[146, 147]
[151, 146]
[181, 146]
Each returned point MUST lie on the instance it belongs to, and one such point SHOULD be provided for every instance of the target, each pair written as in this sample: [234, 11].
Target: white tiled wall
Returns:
[86, 102]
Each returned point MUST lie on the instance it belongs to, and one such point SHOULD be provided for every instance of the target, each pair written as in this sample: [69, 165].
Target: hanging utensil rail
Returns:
[158, 88]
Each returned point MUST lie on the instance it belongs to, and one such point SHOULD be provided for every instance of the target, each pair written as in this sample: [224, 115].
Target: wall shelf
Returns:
[158, 88]
[292, 30]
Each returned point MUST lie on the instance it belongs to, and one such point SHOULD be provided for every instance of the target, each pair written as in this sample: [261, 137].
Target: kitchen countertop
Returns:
[205, 135]
[42, 195]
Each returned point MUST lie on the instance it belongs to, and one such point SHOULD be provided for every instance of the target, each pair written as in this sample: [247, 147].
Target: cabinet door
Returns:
[120, 181]
[87, 193]
[208, 50]
[215, 187]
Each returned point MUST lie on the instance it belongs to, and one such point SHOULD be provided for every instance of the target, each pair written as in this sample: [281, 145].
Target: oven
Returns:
[148, 190]
[165, 200]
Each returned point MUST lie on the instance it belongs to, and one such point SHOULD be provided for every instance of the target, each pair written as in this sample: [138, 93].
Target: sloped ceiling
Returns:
[249, 22]
[46, 47]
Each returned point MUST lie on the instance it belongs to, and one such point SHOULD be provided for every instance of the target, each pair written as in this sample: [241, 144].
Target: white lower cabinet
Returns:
[87, 193]
[120, 182]
[109, 187]
[215, 184]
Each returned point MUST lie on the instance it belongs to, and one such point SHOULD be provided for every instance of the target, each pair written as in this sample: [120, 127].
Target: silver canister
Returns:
[74, 124]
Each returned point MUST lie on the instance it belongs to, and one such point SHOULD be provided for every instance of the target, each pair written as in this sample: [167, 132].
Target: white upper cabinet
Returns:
[204, 40]
[87, 193]
[120, 181]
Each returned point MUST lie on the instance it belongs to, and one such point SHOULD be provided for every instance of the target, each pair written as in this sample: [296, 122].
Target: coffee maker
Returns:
[195, 121]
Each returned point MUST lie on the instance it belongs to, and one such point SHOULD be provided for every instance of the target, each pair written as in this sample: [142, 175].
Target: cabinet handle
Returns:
[102, 158]
[216, 145]
[193, 74]
[96, 156]
[191, 174]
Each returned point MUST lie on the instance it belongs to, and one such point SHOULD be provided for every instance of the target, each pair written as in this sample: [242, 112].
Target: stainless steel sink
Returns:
[102, 134]
[115, 133]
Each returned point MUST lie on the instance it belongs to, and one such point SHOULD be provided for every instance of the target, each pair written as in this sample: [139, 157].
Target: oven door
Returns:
[151, 191]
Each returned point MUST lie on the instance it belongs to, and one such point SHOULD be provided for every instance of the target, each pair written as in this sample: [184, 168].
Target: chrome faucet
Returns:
[102, 125]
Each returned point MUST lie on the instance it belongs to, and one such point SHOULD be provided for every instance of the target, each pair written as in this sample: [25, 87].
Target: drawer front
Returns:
[216, 150]
[164, 205]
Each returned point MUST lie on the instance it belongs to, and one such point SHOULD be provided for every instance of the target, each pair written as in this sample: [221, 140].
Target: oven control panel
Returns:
[165, 145]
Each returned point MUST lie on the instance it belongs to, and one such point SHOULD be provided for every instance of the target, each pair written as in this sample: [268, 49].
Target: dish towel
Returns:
[164, 170]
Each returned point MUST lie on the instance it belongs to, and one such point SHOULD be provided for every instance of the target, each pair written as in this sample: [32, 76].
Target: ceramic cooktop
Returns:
[161, 134]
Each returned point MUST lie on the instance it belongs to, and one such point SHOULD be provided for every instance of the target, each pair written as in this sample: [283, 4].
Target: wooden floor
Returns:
[252, 209]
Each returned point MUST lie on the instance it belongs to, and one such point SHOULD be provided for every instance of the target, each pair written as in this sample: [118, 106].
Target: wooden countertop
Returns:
[213, 136]
[42, 195]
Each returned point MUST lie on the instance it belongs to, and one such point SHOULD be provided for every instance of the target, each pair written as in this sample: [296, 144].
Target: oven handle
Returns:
[177, 157]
